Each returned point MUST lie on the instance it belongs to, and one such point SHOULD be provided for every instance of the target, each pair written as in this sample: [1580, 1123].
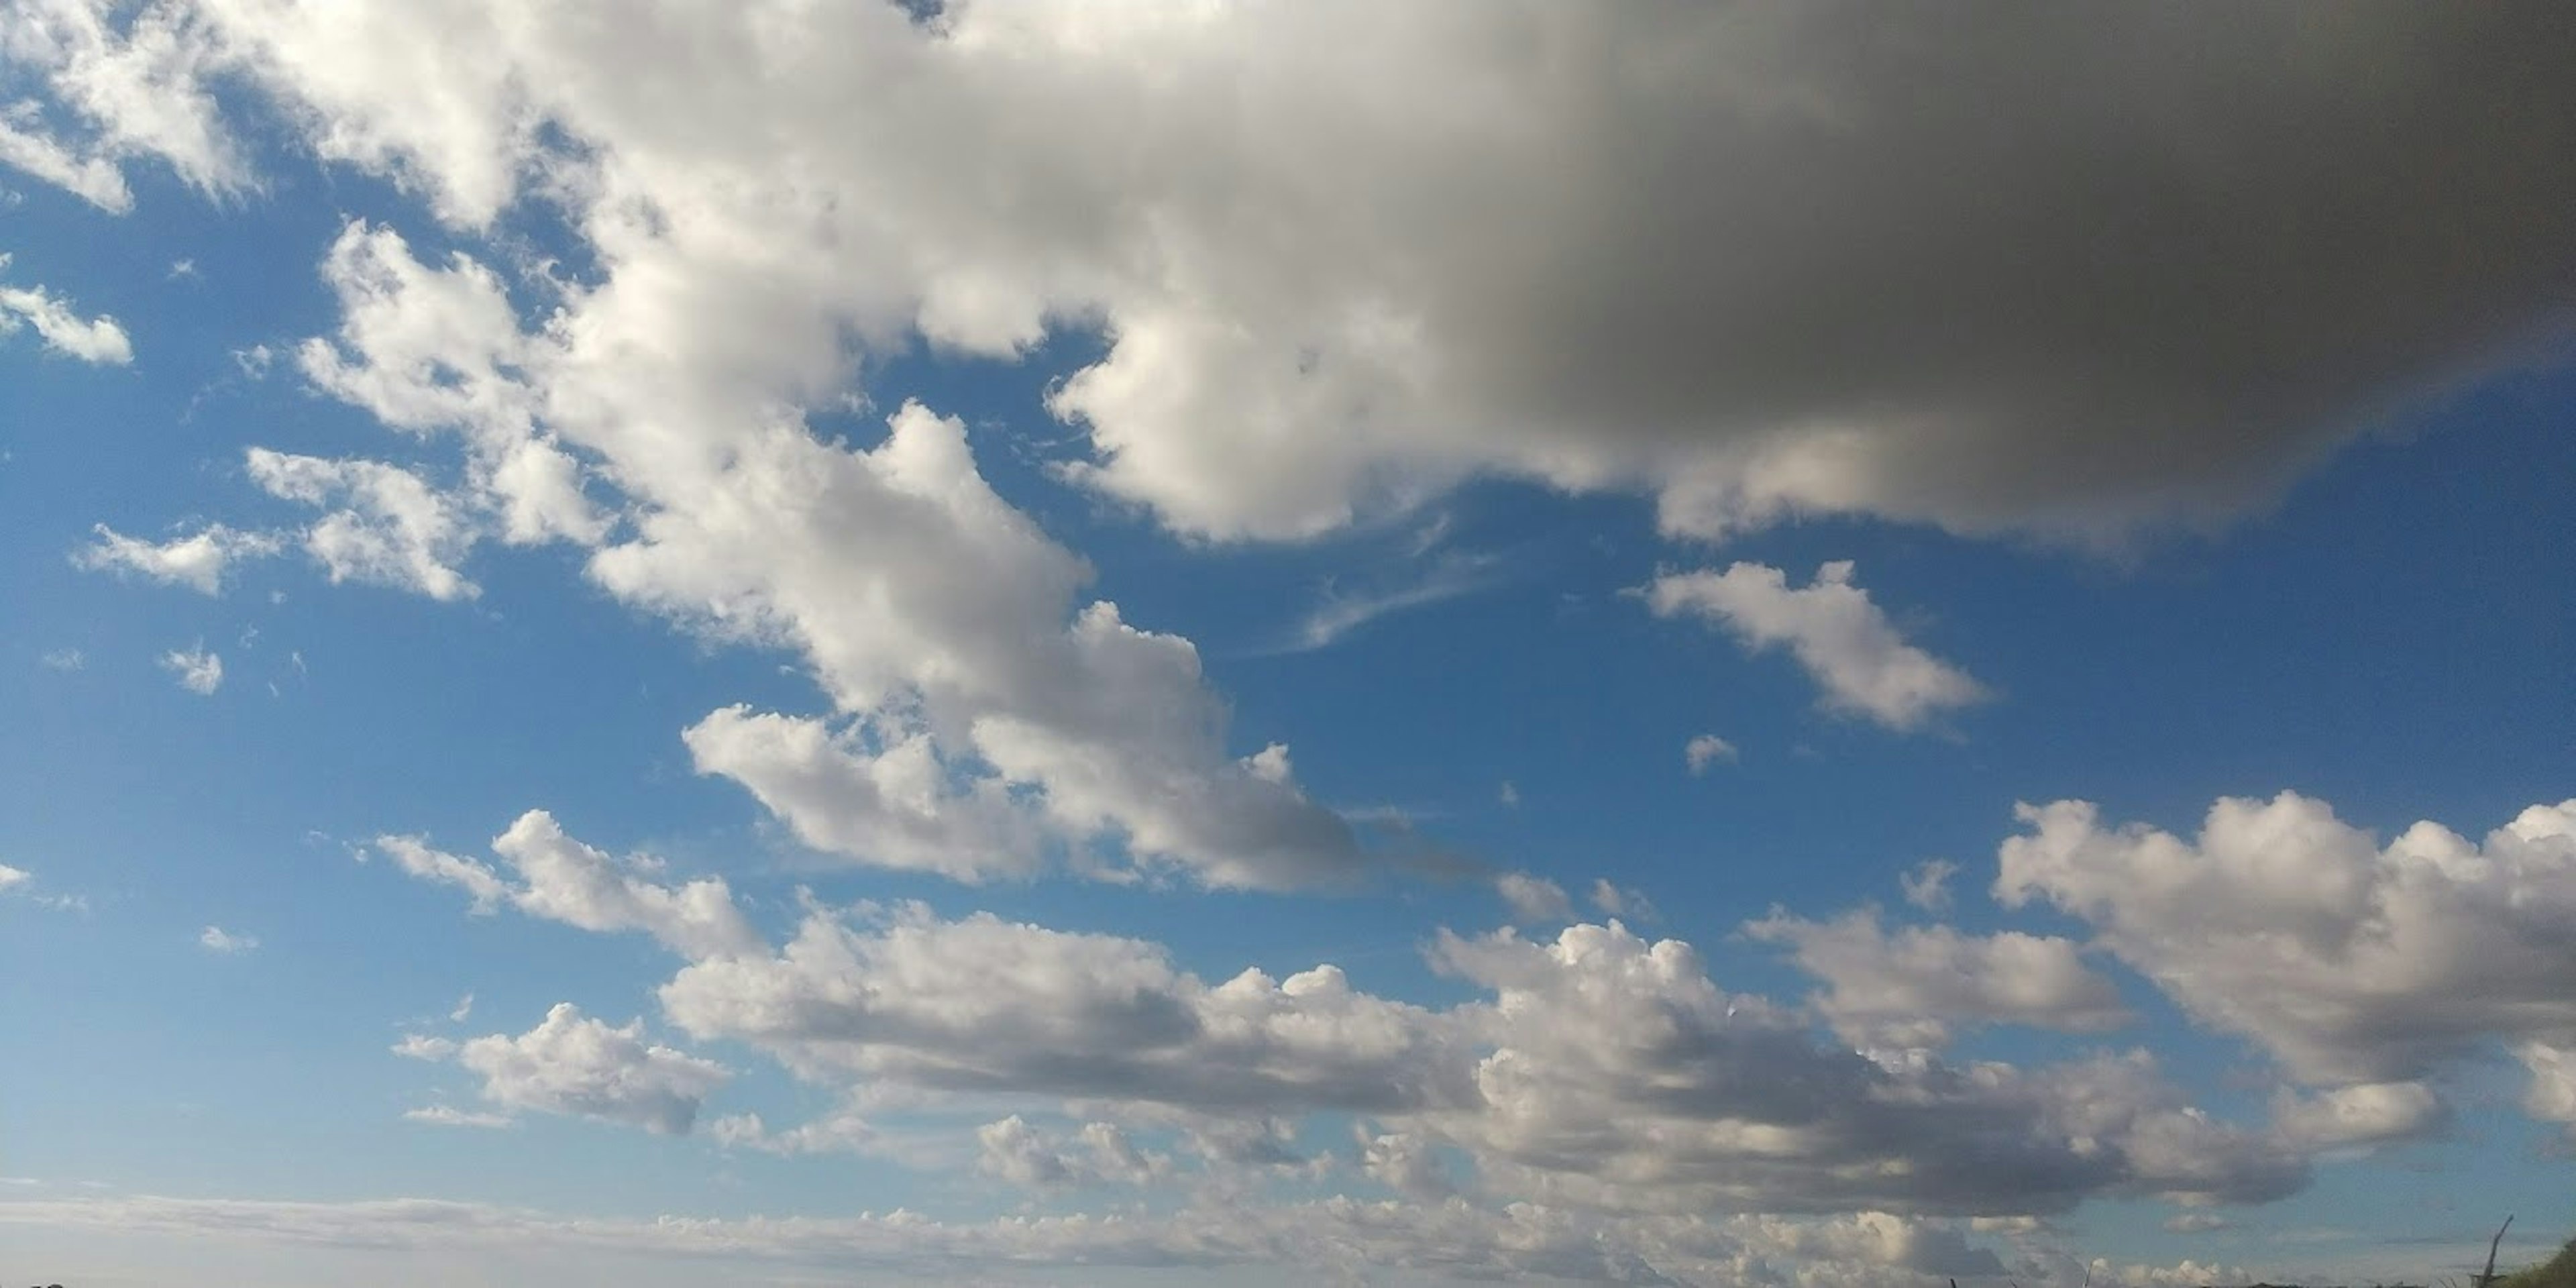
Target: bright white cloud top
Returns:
[865, 497]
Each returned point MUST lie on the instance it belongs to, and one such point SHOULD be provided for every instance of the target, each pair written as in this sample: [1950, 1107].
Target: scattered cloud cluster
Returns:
[1594, 1068]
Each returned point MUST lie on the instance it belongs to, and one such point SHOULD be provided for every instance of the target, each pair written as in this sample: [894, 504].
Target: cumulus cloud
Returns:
[1597, 1068]
[216, 939]
[1098, 1154]
[1842, 640]
[95, 340]
[561, 879]
[1870, 313]
[2363, 1114]
[196, 668]
[12, 878]
[984, 714]
[1704, 750]
[573, 1064]
[2349, 961]
[198, 562]
[1914, 985]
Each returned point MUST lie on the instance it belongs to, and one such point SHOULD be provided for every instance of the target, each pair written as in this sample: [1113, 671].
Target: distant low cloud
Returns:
[1705, 750]
[216, 939]
[1838, 636]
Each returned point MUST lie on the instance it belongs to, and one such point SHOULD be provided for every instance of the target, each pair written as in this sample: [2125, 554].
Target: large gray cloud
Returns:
[2015, 267]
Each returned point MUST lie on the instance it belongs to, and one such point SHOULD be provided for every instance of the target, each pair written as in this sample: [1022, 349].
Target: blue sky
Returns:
[830, 646]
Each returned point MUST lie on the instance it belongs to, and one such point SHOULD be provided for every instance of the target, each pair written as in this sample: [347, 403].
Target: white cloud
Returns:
[422, 1046]
[216, 939]
[1777, 286]
[1100, 1154]
[561, 879]
[1911, 986]
[1927, 886]
[1704, 750]
[1333, 1238]
[1621, 901]
[2349, 962]
[450, 1116]
[2363, 1114]
[386, 526]
[572, 1064]
[2552, 1093]
[62, 659]
[1599, 1069]
[1534, 899]
[95, 340]
[11, 878]
[197, 562]
[197, 669]
[464, 1007]
[92, 179]
[837, 1133]
[136, 82]
[1837, 635]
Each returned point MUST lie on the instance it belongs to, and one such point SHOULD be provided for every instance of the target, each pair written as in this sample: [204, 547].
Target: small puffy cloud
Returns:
[1927, 886]
[422, 1046]
[12, 878]
[197, 669]
[562, 879]
[576, 1065]
[1911, 986]
[95, 340]
[386, 526]
[844, 1132]
[1534, 899]
[1838, 636]
[464, 1007]
[1100, 1153]
[1704, 750]
[197, 562]
[216, 939]
[62, 659]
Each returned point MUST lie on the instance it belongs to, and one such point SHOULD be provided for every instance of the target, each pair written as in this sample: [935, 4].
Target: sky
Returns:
[1095, 643]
